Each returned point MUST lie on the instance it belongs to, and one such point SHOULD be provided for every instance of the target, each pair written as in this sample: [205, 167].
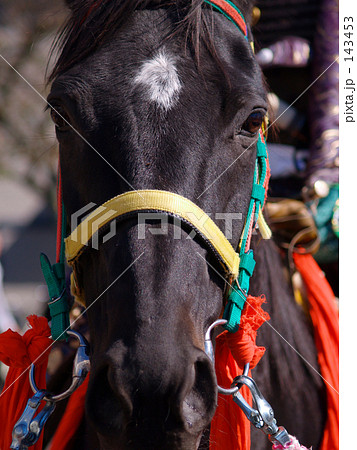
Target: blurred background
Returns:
[28, 155]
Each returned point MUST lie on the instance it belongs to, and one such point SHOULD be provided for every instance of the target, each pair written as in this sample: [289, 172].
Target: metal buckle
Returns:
[263, 416]
[81, 367]
[27, 429]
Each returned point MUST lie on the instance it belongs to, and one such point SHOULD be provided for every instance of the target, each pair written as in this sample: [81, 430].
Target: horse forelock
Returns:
[90, 23]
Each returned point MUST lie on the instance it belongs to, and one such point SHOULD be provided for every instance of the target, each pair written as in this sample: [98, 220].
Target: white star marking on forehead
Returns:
[159, 76]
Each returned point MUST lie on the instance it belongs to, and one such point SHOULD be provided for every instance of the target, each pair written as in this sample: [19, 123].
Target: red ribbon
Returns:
[230, 429]
[324, 316]
[18, 352]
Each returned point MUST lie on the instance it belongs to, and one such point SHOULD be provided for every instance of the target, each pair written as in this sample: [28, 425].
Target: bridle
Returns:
[238, 267]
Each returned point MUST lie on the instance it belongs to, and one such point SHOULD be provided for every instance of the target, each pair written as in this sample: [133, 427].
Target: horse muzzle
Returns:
[167, 405]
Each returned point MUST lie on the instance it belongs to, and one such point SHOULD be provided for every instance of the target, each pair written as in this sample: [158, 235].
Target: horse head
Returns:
[164, 96]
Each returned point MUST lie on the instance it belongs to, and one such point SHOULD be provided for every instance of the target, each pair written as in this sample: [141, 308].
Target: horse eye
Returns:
[252, 125]
[59, 118]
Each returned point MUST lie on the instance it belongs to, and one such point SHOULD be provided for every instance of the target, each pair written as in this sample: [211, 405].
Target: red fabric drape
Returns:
[230, 429]
[18, 352]
[324, 315]
[71, 420]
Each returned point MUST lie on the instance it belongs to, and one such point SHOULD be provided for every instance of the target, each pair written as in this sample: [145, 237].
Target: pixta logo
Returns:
[162, 222]
[98, 224]
[96, 219]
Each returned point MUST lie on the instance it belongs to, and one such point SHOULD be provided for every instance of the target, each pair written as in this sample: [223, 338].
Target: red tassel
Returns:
[242, 343]
[230, 429]
[324, 315]
[18, 352]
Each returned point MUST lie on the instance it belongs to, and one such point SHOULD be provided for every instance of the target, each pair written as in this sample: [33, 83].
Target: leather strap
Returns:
[133, 202]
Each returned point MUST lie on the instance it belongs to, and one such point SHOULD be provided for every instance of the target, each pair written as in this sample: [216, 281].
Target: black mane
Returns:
[90, 23]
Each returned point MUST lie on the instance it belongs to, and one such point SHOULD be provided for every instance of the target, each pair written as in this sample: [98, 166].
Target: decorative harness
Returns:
[237, 265]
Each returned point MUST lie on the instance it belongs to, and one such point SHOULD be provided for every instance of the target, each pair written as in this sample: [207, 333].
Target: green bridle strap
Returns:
[240, 287]
[55, 277]
[238, 295]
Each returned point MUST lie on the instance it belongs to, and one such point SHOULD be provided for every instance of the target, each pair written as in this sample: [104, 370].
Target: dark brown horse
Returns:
[168, 95]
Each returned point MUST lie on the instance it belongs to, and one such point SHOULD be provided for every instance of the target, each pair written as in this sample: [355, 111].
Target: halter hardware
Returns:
[81, 368]
[28, 428]
[263, 416]
[209, 350]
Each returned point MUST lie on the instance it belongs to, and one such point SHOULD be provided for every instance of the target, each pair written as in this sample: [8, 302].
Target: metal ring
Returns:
[81, 367]
[235, 389]
[210, 353]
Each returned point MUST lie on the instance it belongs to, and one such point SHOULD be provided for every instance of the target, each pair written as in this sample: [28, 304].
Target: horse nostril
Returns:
[200, 403]
[108, 407]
